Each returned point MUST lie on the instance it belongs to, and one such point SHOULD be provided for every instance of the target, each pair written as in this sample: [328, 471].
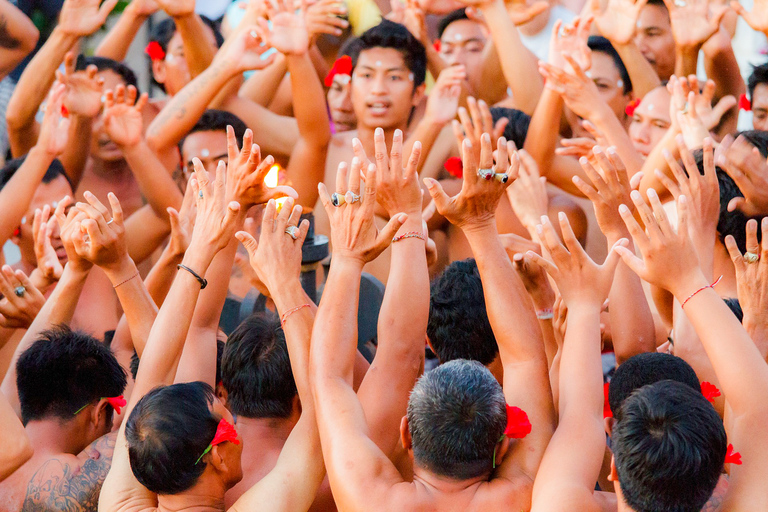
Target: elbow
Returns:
[18, 451]
[30, 38]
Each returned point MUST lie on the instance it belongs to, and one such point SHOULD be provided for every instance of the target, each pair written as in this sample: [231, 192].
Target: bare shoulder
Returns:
[71, 483]
[513, 494]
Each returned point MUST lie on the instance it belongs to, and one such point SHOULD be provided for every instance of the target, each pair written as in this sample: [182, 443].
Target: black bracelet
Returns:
[203, 282]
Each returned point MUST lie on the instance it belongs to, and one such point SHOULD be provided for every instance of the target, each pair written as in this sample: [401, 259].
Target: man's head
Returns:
[456, 415]
[54, 187]
[611, 78]
[462, 42]
[207, 140]
[256, 371]
[171, 73]
[168, 431]
[757, 84]
[654, 38]
[114, 73]
[650, 121]
[340, 94]
[64, 372]
[517, 126]
[389, 68]
[668, 447]
[458, 326]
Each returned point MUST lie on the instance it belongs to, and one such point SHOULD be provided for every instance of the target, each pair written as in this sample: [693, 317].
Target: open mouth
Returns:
[378, 108]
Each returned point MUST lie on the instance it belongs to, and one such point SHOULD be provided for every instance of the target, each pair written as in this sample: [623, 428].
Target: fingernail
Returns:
[635, 195]
[623, 208]
[561, 216]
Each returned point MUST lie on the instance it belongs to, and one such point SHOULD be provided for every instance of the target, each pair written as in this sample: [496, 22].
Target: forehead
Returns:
[652, 15]
[384, 58]
[111, 79]
[603, 66]
[760, 93]
[464, 29]
[213, 141]
[176, 42]
[48, 193]
[655, 104]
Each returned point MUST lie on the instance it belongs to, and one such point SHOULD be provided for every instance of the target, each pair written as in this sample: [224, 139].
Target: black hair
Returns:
[759, 76]
[603, 45]
[215, 121]
[458, 326]
[389, 34]
[64, 370]
[669, 447]
[163, 32]
[103, 63]
[517, 127]
[644, 369]
[457, 15]
[54, 170]
[256, 369]
[735, 306]
[134, 366]
[658, 3]
[456, 415]
[167, 431]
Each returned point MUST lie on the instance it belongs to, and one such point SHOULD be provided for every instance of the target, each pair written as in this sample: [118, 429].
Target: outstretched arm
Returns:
[117, 41]
[199, 43]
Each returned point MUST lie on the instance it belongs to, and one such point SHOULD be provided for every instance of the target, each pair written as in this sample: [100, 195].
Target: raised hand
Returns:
[84, 17]
[246, 173]
[276, 257]
[528, 194]
[242, 52]
[47, 260]
[694, 21]
[443, 100]
[69, 232]
[744, 163]
[521, 12]
[123, 120]
[21, 300]
[474, 123]
[105, 244]
[353, 229]
[752, 276]
[288, 33]
[323, 17]
[144, 7]
[618, 20]
[214, 222]
[54, 131]
[757, 18]
[534, 278]
[182, 223]
[475, 205]
[177, 8]
[398, 189]
[610, 189]
[83, 88]
[577, 90]
[571, 40]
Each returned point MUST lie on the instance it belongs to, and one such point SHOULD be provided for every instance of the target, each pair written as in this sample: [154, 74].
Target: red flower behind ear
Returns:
[436, 45]
[454, 166]
[710, 391]
[155, 51]
[732, 457]
[744, 103]
[518, 425]
[630, 108]
[225, 432]
[117, 403]
[342, 66]
[607, 413]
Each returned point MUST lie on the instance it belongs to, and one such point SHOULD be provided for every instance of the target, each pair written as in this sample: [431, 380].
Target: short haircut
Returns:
[54, 170]
[170, 427]
[456, 415]
[458, 326]
[256, 369]
[64, 370]
[759, 76]
[103, 64]
[389, 34]
[669, 448]
[602, 45]
[644, 369]
[517, 127]
[217, 121]
[457, 15]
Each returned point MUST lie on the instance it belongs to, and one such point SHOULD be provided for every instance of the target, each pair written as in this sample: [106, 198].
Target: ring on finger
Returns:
[355, 198]
[293, 232]
[486, 174]
[19, 291]
[110, 221]
[200, 195]
[338, 199]
[751, 257]
[501, 177]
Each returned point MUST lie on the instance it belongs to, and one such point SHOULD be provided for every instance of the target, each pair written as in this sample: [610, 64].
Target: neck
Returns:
[445, 485]
[264, 430]
[54, 437]
[112, 170]
[205, 496]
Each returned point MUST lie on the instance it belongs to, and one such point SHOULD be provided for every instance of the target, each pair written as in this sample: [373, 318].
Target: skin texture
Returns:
[655, 41]
[651, 121]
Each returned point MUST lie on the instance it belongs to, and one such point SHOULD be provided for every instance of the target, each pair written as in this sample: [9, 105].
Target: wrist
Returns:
[683, 288]
[120, 270]
[40, 280]
[41, 154]
[198, 257]
[62, 36]
[543, 298]
[346, 261]
[480, 228]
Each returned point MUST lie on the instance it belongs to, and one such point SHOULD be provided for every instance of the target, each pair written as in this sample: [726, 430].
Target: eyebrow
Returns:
[468, 40]
[387, 70]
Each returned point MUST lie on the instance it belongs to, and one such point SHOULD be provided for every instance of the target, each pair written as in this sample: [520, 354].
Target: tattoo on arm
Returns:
[6, 39]
[61, 486]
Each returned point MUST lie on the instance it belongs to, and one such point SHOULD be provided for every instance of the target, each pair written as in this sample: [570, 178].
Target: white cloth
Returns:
[539, 43]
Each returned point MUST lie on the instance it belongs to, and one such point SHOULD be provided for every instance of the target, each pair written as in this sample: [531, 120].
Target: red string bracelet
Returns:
[288, 313]
[701, 290]
[410, 234]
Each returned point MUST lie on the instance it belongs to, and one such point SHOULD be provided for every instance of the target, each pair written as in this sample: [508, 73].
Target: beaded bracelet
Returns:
[123, 282]
[701, 290]
[545, 314]
[288, 313]
[410, 234]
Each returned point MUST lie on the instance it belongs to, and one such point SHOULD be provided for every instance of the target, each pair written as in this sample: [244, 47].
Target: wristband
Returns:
[410, 234]
[202, 281]
[545, 314]
[123, 282]
[700, 290]
[288, 313]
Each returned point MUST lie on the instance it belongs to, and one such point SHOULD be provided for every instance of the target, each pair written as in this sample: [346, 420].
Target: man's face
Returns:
[50, 194]
[382, 89]
[340, 104]
[760, 107]
[462, 43]
[208, 146]
[655, 41]
[609, 84]
[102, 147]
[651, 121]
[173, 71]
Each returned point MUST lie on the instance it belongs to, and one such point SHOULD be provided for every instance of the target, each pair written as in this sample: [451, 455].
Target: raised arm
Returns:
[18, 37]
[118, 40]
[199, 43]
[693, 23]
[521, 349]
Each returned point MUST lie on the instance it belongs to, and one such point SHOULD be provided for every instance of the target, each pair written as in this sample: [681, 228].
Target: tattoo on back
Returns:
[6, 39]
[62, 487]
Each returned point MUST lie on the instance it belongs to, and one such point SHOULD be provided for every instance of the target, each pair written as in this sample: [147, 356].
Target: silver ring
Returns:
[293, 232]
[200, 195]
[751, 257]
[355, 198]
[110, 221]
[337, 199]
[19, 291]
[486, 174]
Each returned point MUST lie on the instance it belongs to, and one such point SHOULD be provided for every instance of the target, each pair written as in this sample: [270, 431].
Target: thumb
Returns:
[173, 217]
[248, 242]
[628, 257]
[634, 181]
[737, 203]
[439, 197]
[612, 260]
[388, 232]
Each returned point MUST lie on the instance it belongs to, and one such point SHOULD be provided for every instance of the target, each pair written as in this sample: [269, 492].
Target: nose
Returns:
[641, 43]
[379, 85]
[642, 133]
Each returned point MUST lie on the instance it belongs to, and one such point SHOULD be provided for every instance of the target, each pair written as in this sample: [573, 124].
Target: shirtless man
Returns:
[461, 460]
